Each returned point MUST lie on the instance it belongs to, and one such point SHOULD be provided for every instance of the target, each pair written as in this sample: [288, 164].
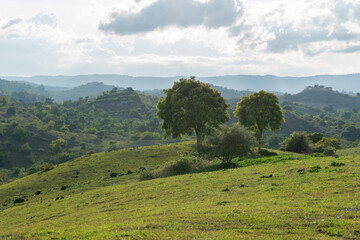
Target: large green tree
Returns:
[191, 106]
[260, 111]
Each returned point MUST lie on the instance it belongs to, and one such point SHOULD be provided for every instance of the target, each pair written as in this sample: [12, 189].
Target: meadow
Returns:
[305, 198]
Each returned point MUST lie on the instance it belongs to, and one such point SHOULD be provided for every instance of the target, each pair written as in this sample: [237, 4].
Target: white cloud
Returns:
[172, 37]
[164, 13]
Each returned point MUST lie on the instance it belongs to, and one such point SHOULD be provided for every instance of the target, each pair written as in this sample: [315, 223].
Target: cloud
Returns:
[44, 19]
[11, 23]
[164, 13]
[307, 27]
[349, 49]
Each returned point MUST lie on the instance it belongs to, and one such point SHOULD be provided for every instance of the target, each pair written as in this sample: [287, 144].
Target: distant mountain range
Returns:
[349, 83]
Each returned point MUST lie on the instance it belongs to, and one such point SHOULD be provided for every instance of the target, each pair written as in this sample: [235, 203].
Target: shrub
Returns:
[62, 157]
[329, 142]
[3, 158]
[11, 110]
[337, 164]
[151, 136]
[229, 142]
[315, 137]
[57, 145]
[26, 148]
[297, 142]
[267, 153]
[19, 172]
[329, 151]
[20, 133]
[182, 166]
[44, 167]
[315, 168]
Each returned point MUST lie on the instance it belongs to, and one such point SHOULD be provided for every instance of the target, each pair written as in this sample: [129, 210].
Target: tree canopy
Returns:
[260, 111]
[191, 106]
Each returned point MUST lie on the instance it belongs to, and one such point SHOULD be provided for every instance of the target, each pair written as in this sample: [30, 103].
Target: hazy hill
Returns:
[87, 90]
[320, 96]
[348, 82]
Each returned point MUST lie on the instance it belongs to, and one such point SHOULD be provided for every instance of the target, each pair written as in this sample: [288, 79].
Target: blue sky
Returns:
[172, 37]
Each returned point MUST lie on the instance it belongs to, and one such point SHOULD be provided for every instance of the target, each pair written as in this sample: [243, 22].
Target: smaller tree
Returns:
[315, 137]
[20, 133]
[57, 145]
[227, 143]
[11, 110]
[260, 111]
[329, 142]
[297, 142]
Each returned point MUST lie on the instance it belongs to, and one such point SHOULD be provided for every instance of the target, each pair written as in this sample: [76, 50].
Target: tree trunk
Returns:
[260, 133]
[199, 143]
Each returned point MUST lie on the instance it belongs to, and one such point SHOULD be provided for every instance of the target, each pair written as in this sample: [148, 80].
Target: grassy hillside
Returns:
[297, 202]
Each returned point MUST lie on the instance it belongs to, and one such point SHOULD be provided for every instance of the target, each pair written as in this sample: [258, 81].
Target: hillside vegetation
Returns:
[305, 198]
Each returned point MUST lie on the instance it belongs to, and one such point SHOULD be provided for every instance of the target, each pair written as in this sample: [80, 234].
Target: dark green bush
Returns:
[329, 151]
[62, 157]
[315, 137]
[20, 133]
[44, 167]
[182, 166]
[297, 142]
[230, 142]
[11, 110]
[267, 153]
[315, 168]
[337, 164]
[25, 148]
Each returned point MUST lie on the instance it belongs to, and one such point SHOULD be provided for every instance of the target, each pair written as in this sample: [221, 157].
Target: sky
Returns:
[179, 37]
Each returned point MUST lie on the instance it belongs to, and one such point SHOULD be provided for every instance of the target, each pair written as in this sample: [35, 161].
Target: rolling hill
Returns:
[305, 198]
[320, 96]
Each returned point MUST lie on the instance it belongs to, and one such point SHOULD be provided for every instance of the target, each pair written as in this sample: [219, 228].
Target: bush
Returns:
[315, 168]
[315, 137]
[337, 164]
[229, 142]
[3, 158]
[57, 145]
[297, 142]
[11, 111]
[62, 157]
[182, 166]
[329, 151]
[329, 142]
[44, 167]
[267, 153]
[20, 133]
[151, 136]
[26, 148]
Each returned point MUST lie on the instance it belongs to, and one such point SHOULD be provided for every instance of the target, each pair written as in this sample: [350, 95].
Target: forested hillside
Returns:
[36, 128]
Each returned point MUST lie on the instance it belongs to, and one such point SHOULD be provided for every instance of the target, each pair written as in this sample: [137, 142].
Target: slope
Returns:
[297, 202]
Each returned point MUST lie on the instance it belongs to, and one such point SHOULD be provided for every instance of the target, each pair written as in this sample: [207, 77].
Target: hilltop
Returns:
[320, 96]
[306, 197]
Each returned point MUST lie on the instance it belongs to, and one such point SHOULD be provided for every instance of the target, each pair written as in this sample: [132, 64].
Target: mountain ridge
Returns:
[345, 82]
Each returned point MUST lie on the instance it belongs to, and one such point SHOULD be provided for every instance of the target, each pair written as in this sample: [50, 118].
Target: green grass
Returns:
[290, 205]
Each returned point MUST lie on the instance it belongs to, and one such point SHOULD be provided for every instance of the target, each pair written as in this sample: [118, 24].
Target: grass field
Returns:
[306, 198]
